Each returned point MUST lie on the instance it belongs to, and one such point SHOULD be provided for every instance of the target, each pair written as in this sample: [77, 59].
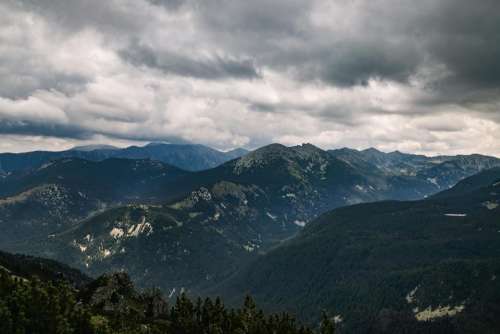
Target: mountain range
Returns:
[261, 223]
[198, 227]
[440, 172]
[189, 157]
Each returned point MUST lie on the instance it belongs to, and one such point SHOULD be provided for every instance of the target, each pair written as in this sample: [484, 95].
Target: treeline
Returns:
[110, 304]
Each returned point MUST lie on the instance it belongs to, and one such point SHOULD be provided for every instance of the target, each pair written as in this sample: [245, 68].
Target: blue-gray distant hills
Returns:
[441, 172]
[185, 156]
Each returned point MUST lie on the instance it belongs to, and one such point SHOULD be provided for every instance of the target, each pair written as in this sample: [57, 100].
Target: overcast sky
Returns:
[417, 76]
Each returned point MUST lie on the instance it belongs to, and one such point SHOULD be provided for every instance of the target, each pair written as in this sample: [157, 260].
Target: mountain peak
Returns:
[274, 147]
[260, 156]
[345, 150]
[372, 150]
[397, 153]
[280, 153]
[307, 147]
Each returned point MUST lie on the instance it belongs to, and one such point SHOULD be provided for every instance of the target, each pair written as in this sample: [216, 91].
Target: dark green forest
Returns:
[110, 304]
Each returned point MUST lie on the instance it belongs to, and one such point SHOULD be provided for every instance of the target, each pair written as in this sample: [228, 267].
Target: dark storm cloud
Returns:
[76, 14]
[265, 107]
[168, 4]
[22, 85]
[298, 70]
[352, 64]
[461, 35]
[70, 131]
[27, 127]
[206, 68]
[464, 35]
[145, 137]
[329, 112]
[261, 19]
[388, 39]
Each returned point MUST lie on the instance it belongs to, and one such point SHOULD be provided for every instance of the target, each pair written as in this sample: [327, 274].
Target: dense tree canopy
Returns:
[110, 304]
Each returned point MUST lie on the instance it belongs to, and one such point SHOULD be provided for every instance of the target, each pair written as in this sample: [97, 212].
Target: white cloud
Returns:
[233, 73]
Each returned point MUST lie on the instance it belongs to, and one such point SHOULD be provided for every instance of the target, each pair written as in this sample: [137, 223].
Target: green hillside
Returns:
[390, 266]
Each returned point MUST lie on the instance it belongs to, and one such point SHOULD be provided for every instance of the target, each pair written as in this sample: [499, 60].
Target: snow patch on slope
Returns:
[142, 227]
[105, 253]
[433, 180]
[271, 216]
[300, 223]
[490, 205]
[410, 297]
[116, 233]
[439, 312]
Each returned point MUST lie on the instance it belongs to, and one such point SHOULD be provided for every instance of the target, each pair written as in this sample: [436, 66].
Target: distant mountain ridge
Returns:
[439, 172]
[189, 157]
[472, 184]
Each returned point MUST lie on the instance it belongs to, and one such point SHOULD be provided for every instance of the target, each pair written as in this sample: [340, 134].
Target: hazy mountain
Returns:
[472, 184]
[236, 153]
[184, 156]
[440, 172]
[388, 266]
[449, 172]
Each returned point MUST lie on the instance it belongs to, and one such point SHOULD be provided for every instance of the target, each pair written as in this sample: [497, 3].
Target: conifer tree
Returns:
[327, 325]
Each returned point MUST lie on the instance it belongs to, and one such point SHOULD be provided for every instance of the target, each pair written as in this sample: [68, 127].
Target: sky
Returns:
[415, 76]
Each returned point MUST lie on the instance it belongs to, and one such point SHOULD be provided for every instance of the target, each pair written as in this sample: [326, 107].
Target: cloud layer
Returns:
[395, 74]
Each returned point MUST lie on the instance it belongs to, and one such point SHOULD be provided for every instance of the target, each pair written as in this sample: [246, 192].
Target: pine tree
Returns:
[327, 325]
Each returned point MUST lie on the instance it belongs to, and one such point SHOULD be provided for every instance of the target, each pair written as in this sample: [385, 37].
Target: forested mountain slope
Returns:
[391, 266]
[58, 195]
[183, 230]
